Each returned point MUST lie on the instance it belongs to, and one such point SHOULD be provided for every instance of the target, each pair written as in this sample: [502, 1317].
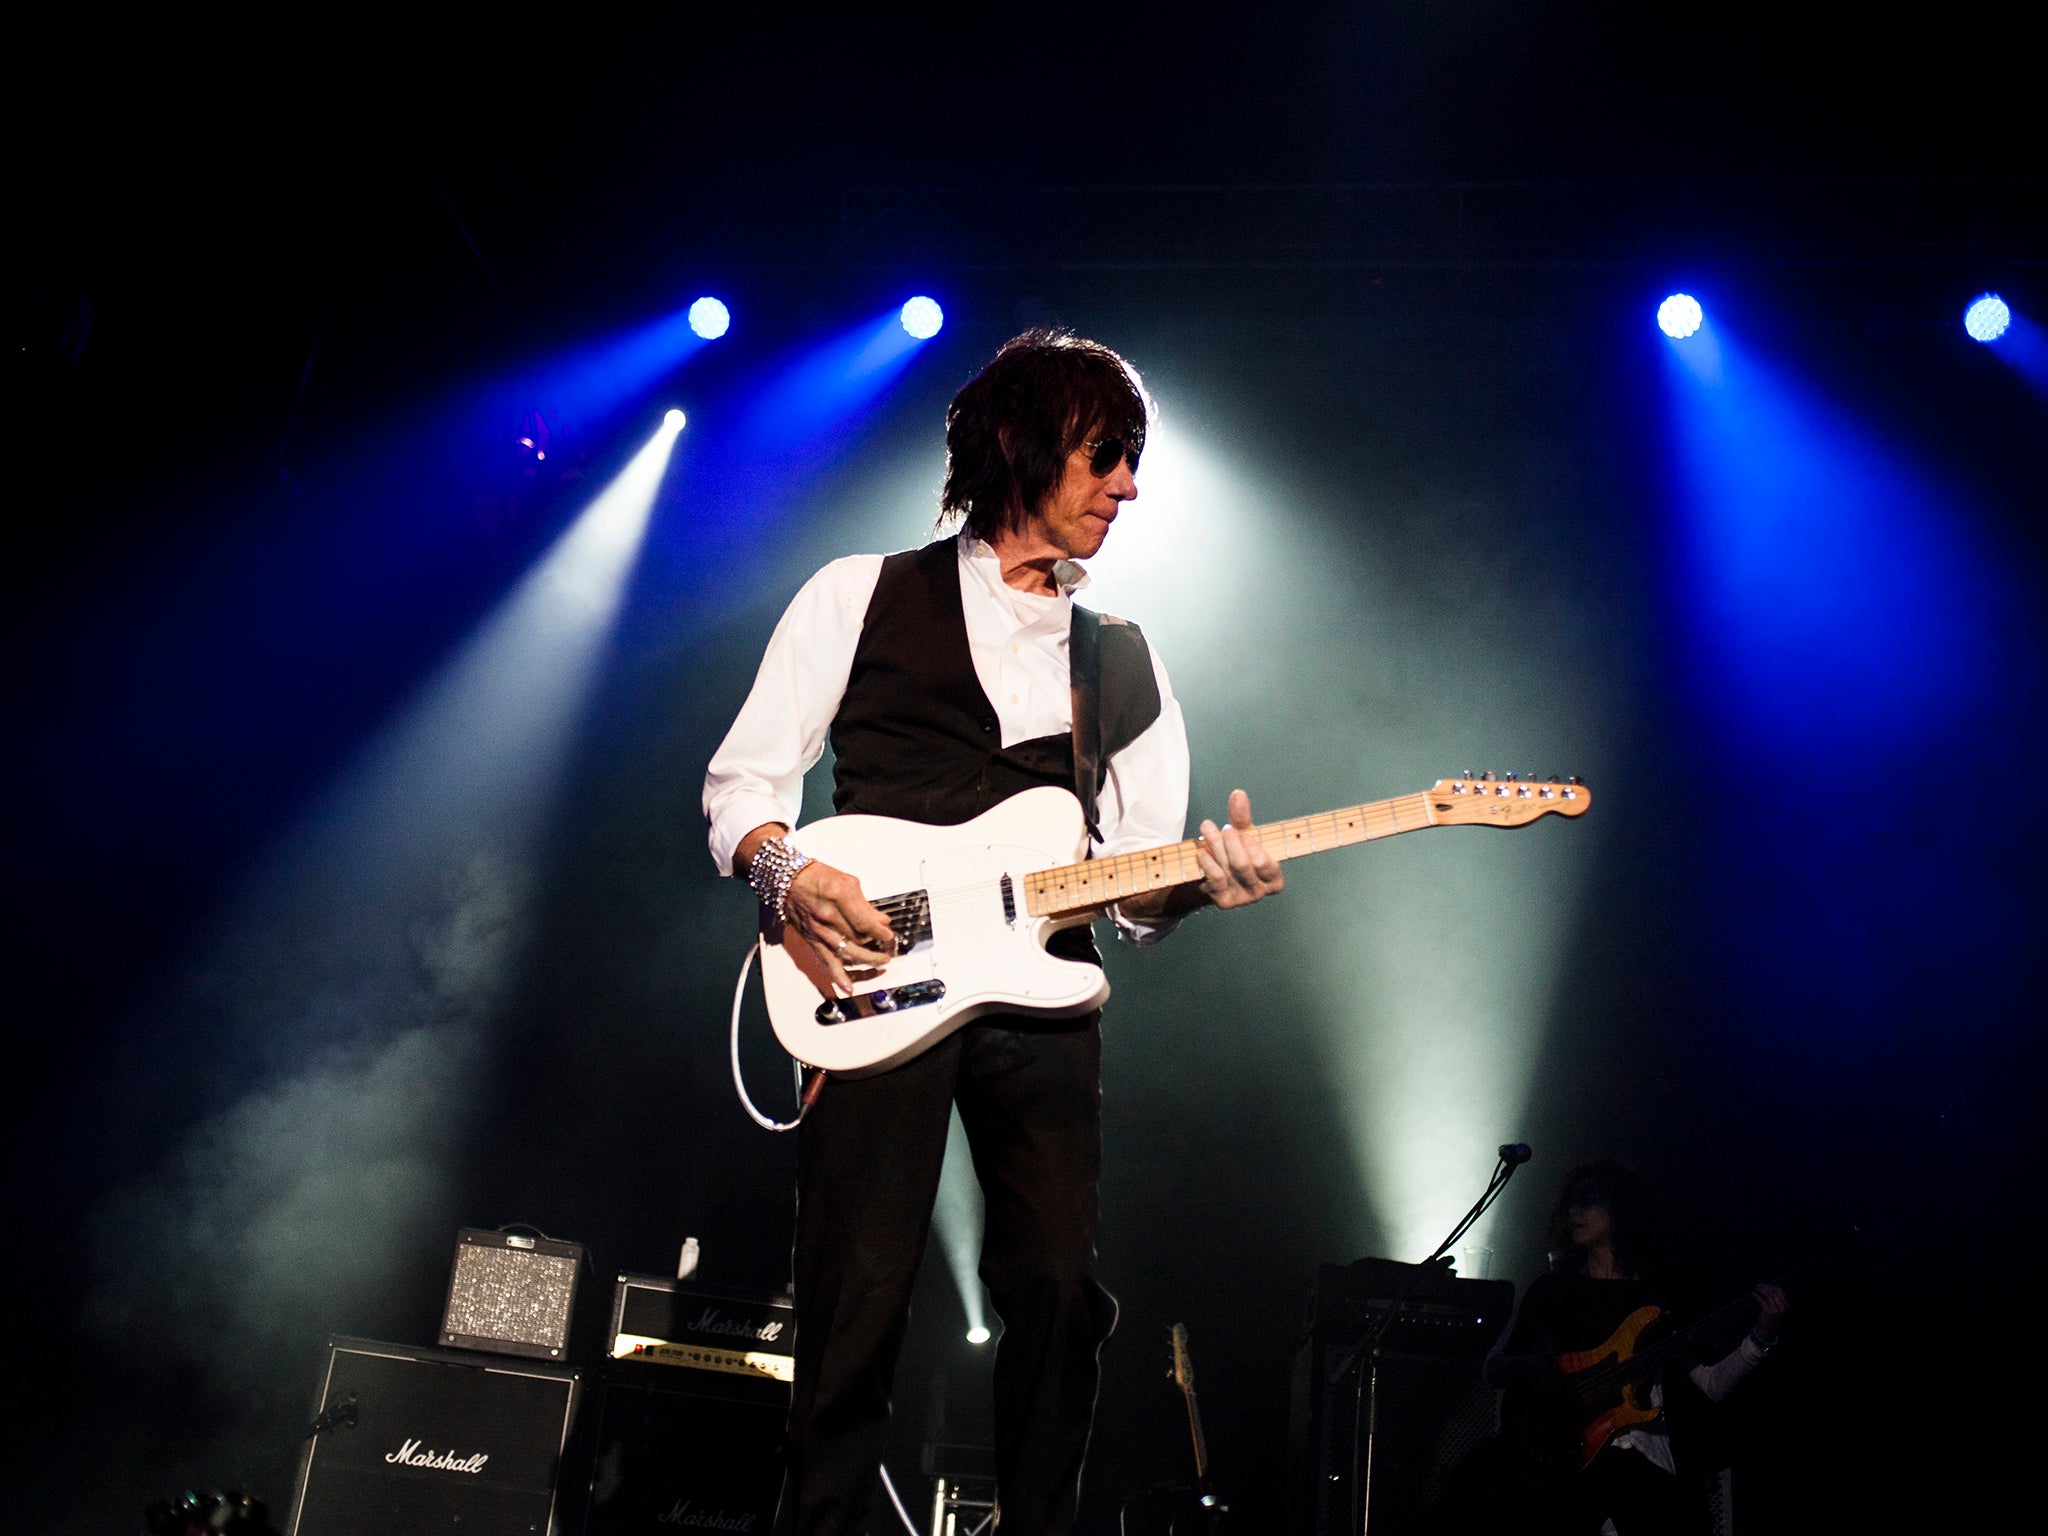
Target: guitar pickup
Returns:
[910, 915]
[866, 1005]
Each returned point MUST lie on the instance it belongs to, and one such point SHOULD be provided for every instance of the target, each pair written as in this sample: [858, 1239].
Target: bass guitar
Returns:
[1607, 1388]
[973, 906]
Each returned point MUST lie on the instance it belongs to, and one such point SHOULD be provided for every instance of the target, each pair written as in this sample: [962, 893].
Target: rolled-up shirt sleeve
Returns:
[757, 774]
[1720, 1379]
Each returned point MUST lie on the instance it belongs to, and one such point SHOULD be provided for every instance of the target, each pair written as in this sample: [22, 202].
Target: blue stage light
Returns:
[922, 317]
[1987, 317]
[1680, 316]
[709, 318]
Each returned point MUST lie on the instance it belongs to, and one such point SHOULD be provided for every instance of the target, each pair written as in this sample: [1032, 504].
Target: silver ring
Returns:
[842, 946]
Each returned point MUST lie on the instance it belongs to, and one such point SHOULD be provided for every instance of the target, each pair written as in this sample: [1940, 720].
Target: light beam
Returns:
[1429, 970]
[957, 1222]
[349, 993]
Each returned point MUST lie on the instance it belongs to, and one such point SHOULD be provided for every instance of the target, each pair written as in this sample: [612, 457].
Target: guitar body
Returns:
[973, 948]
[1627, 1402]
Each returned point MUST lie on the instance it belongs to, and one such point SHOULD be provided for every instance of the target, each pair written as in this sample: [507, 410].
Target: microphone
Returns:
[1514, 1154]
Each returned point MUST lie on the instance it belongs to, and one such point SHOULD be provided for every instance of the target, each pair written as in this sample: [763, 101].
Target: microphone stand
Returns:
[1371, 1347]
[344, 1415]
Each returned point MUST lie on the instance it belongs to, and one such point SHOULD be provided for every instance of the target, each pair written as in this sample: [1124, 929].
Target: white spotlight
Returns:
[1987, 317]
[709, 318]
[674, 420]
[978, 1334]
[922, 317]
[1680, 316]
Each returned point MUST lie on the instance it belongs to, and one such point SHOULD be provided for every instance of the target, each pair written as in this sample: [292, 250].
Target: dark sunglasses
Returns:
[1105, 453]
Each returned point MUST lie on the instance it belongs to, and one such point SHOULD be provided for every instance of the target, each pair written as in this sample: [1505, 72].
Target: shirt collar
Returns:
[1070, 576]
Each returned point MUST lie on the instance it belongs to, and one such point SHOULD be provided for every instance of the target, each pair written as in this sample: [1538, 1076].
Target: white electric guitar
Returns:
[973, 906]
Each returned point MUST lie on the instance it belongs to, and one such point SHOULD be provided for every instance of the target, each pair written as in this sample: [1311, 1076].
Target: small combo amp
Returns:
[510, 1294]
[690, 1424]
[1373, 1447]
[417, 1441]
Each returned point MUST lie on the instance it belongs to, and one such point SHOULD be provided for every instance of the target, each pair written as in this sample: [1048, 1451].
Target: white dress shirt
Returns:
[1019, 645]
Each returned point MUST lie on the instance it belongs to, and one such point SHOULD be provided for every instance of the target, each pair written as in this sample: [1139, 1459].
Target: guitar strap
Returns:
[1115, 697]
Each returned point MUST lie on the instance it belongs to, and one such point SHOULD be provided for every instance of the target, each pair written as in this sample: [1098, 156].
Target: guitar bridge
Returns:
[866, 1005]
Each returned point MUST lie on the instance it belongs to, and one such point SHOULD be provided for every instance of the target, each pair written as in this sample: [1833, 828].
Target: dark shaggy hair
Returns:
[1010, 430]
[1640, 1241]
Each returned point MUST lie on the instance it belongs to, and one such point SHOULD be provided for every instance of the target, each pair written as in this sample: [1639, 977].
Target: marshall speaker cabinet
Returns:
[419, 1441]
[690, 1423]
[1432, 1405]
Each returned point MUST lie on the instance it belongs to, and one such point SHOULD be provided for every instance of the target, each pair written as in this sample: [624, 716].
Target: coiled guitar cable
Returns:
[806, 1097]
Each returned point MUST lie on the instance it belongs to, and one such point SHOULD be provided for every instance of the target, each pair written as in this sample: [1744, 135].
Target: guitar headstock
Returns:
[1183, 1364]
[1484, 801]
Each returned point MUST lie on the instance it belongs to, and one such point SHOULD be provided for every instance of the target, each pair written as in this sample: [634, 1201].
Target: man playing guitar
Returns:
[944, 680]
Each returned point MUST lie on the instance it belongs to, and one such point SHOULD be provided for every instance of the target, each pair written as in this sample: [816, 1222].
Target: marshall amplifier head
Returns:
[411, 1442]
[511, 1295]
[728, 1342]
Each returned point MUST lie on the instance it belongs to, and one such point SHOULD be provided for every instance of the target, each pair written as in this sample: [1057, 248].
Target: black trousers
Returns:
[868, 1160]
[1498, 1490]
[1640, 1497]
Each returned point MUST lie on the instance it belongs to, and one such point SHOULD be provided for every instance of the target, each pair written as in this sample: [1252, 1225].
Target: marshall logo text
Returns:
[410, 1455]
[715, 1322]
[687, 1514]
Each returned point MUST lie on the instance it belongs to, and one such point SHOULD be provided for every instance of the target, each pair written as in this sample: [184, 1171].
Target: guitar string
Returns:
[1089, 876]
[1088, 881]
[954, 899]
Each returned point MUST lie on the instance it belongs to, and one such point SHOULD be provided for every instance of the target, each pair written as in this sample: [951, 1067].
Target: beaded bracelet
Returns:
[775, 864]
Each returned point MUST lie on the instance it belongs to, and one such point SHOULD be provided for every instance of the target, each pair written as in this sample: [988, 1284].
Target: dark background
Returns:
[1397, 262]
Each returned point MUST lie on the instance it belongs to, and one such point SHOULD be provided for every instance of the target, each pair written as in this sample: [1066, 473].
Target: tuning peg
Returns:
[1487, 776]
[1511, 778]
[1466, 774]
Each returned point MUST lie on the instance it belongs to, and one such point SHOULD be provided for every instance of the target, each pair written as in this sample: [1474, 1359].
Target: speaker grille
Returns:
[688, 1460]
[438, 1443]
[512, 1295]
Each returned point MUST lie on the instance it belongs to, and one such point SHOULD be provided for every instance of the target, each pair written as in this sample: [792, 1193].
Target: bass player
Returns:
[1603, 1399]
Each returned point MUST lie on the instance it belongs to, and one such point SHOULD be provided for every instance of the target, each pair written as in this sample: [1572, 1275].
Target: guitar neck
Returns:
[1184, 1378]
[1706, 1327]
[1653, 1357]
[1099, 882]
[1201, 1440]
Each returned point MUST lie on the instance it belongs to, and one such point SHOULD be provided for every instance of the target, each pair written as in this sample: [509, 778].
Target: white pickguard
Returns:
[985, 961]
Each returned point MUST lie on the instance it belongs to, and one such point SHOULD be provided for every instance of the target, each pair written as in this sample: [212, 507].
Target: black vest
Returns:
[916, 737]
